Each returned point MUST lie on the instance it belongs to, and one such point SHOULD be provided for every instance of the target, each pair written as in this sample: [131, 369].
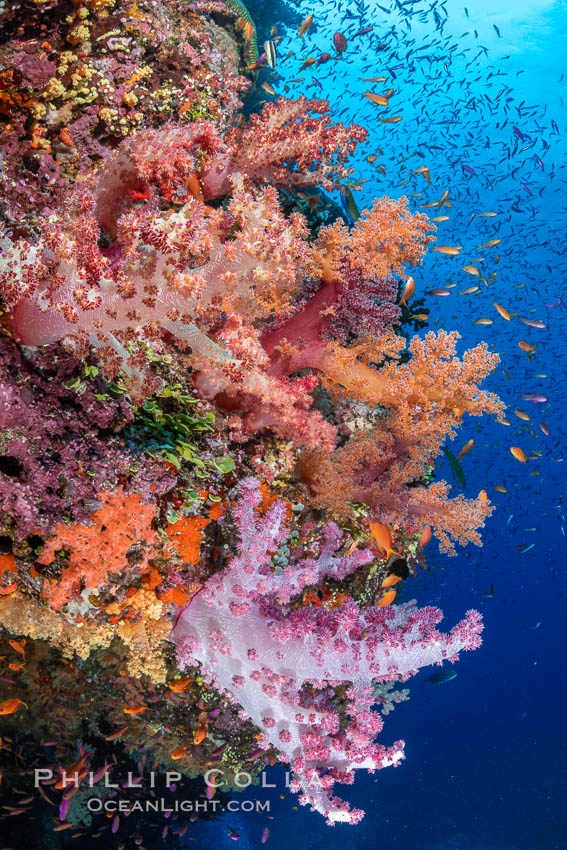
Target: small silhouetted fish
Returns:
[440, 677]
[349, 204]
[456, 468]
[399, 567]
[490, 592]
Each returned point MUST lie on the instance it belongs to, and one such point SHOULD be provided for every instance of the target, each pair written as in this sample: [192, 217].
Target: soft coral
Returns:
[291, 143]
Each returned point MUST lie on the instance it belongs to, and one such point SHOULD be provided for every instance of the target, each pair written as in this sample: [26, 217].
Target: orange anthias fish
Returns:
[383, 538]
[423, 169]
[450, 250]
[525, 346]
[391, 580]
[114, 735]
[179, 686]
[19, 646]
[425, 537]
[307, 64]
[200, 735]
[193, 186]
[377, 98]
[387, 598]
[503, 312]
[518, 453]
[466, 449]
[73, 774]
[10, 706]
[408, 291]
[178, 753]
[305, 24]
[135, 709]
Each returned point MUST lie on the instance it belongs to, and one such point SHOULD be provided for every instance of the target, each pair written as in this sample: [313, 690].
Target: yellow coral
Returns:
[144, 640]
[21, 615]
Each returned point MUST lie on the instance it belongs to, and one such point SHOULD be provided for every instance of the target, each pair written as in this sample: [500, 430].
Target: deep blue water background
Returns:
[486, 752]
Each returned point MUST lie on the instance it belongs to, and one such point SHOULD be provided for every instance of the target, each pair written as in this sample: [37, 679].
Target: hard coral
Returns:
[98, 75]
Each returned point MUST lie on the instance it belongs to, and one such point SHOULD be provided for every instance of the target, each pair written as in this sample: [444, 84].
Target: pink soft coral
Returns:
[282, 663]
[291, 143]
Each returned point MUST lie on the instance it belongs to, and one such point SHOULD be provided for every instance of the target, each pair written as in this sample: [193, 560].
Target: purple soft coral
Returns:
[60, 449]
[281, 664]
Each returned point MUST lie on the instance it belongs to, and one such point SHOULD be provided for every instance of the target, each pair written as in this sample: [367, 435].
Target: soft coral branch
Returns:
[426, 398]
[291, 143]
[282, 664]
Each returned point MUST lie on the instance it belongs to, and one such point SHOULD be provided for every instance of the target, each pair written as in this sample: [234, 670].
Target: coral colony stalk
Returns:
[284, 665]
[177, 250]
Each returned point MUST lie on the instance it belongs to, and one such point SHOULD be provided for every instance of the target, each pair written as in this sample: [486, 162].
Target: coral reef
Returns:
[60, 443]
[285, 132]
[217, 441]
[101, 71]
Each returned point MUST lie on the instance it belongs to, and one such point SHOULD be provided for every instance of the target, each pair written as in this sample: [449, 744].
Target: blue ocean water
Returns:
[481, 94]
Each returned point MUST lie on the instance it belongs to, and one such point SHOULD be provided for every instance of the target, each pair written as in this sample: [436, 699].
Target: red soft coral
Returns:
[286, 145]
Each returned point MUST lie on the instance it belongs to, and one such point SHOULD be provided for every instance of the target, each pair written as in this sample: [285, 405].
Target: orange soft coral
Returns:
[425, 400]
[186, 533]
[383, 471]
[100, 548]
[432, 382]
[383, 240]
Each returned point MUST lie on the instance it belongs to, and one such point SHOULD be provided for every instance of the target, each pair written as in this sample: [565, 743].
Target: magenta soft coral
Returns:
[106, 273]
[282, 663]
[179, 273]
